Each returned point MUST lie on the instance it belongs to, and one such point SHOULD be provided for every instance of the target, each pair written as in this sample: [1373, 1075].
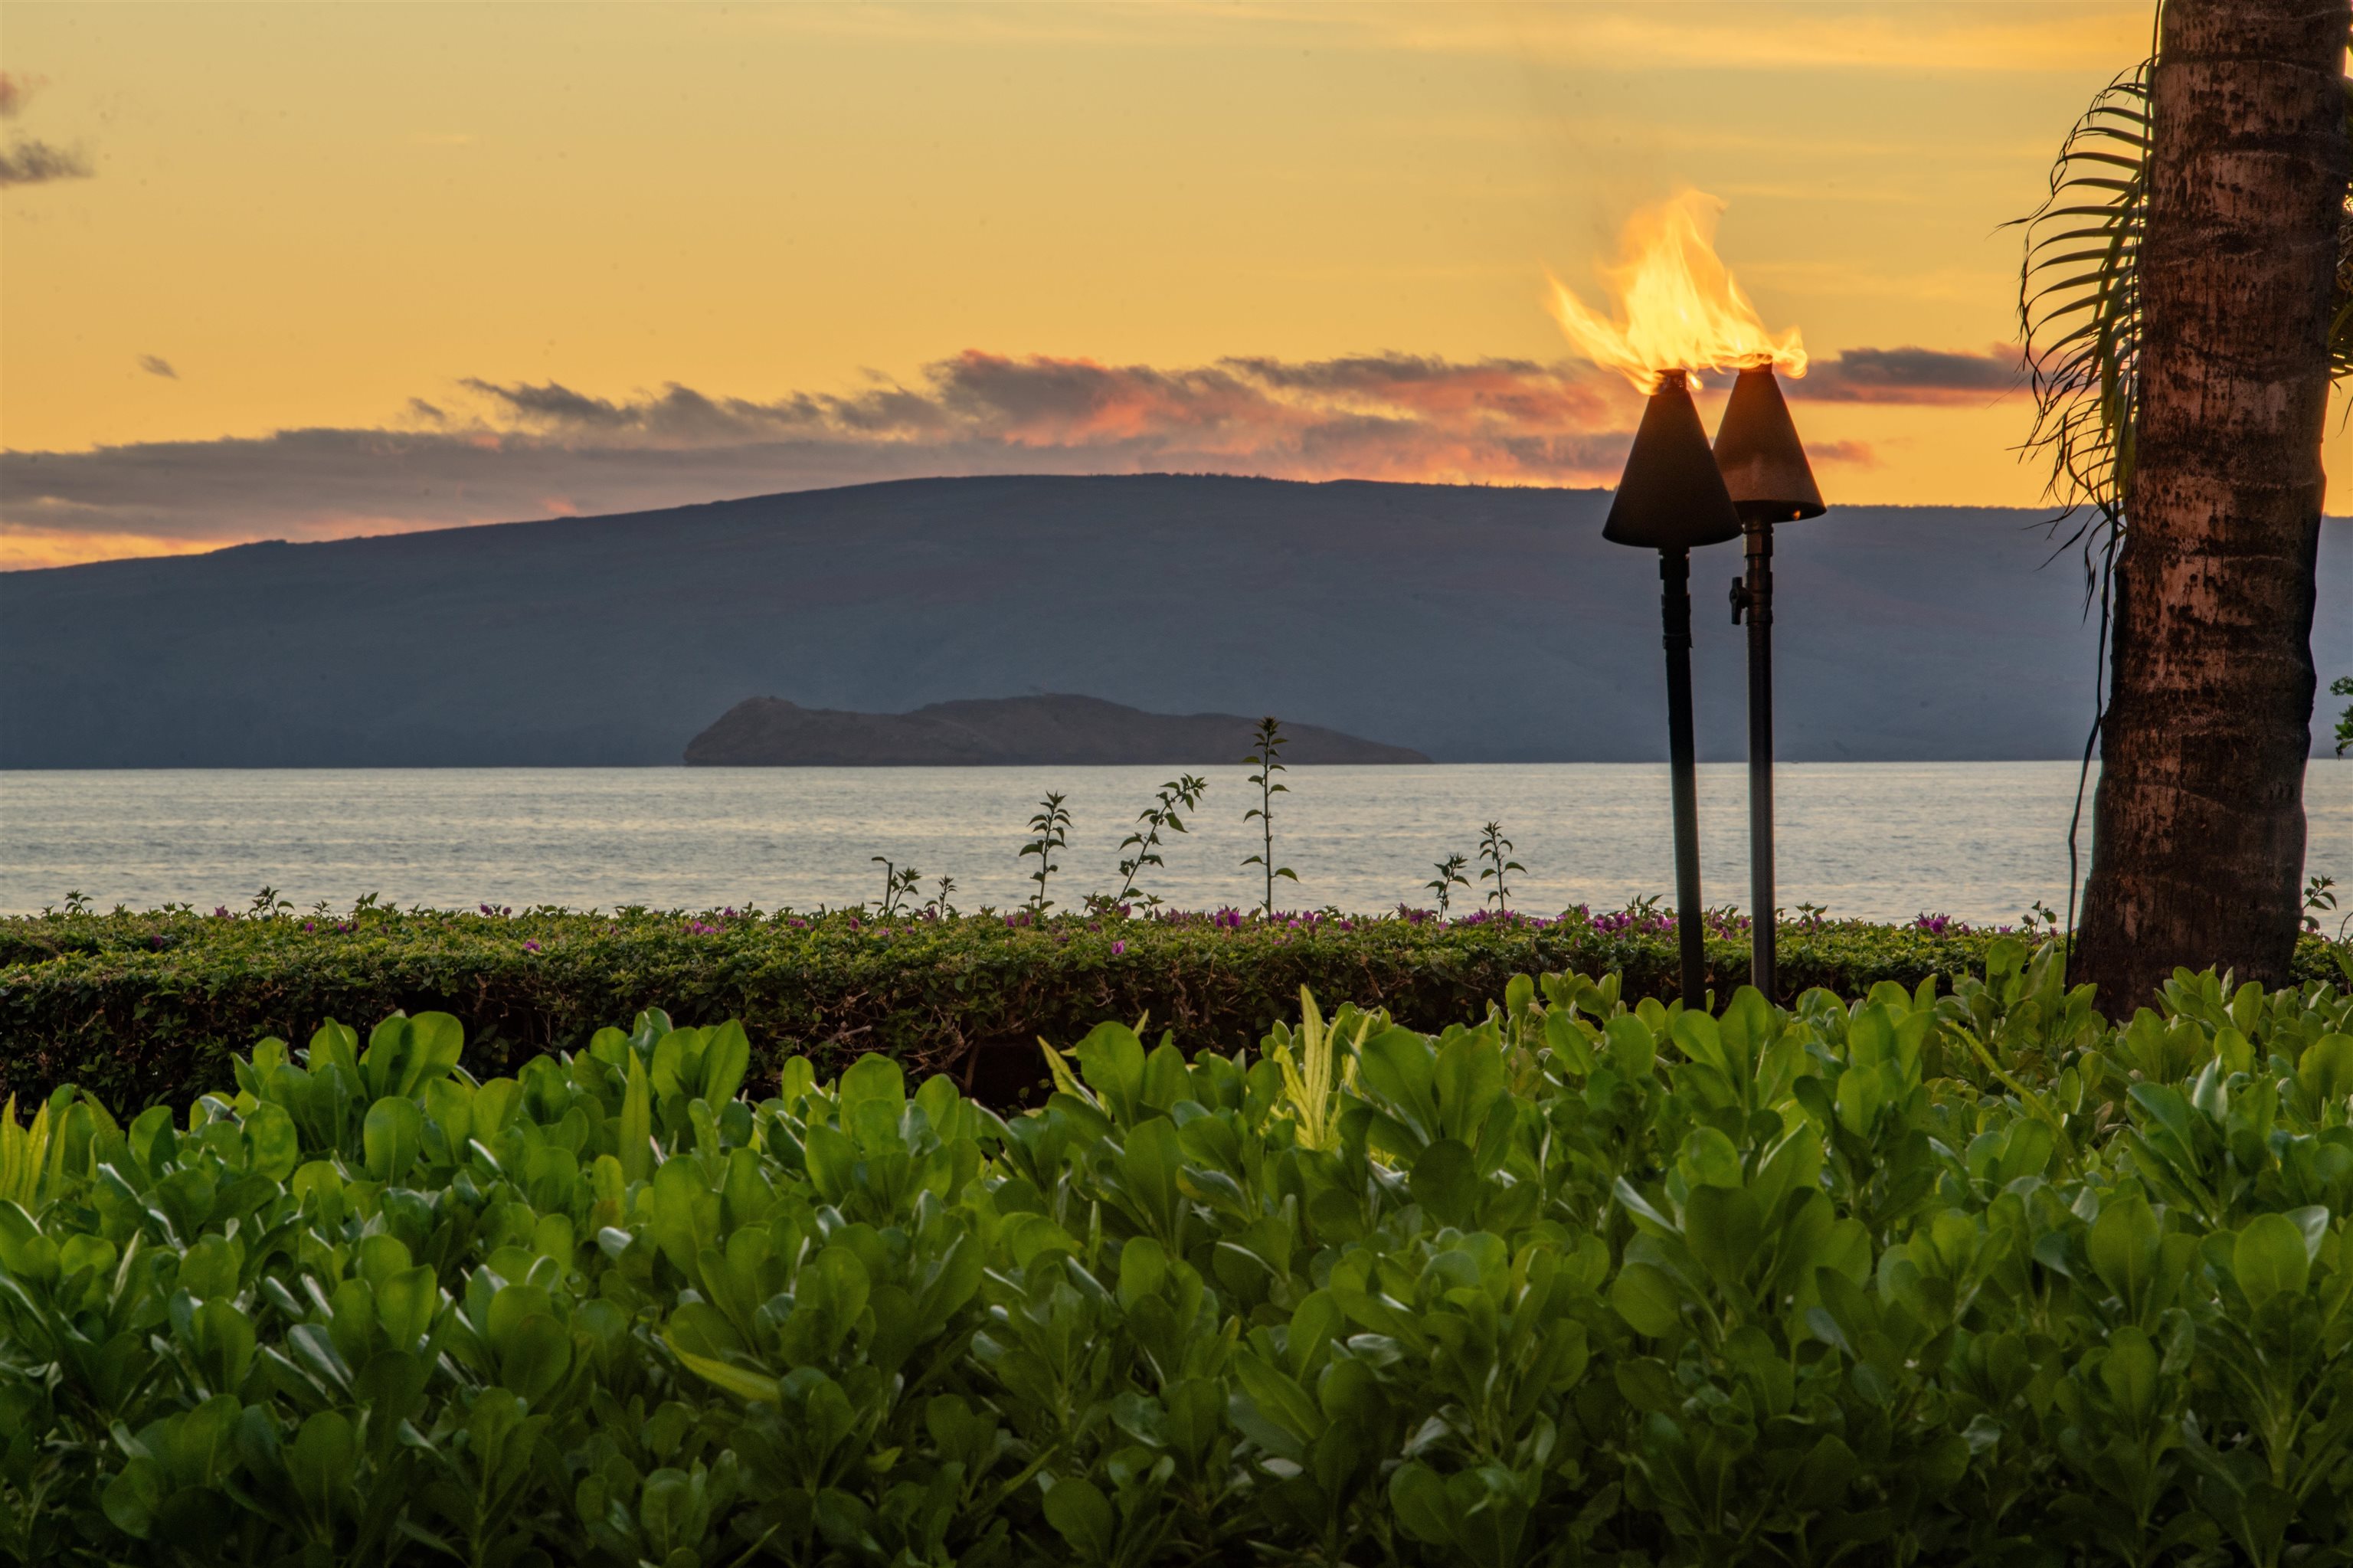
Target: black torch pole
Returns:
[1756, 599]
[1674, 610]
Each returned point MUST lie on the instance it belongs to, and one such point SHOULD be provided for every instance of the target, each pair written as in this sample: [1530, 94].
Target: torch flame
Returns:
[1679, 308]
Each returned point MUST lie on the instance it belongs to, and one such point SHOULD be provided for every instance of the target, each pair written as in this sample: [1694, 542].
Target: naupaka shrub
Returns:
[1907, 1278]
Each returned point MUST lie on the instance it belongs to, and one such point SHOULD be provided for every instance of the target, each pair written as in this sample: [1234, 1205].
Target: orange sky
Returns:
[303, 270]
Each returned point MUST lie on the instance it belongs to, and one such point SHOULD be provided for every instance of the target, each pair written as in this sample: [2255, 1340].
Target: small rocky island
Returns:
[769, 732]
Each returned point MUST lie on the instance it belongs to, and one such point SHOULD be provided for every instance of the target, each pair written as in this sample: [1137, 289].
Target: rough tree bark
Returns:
[2198, 846]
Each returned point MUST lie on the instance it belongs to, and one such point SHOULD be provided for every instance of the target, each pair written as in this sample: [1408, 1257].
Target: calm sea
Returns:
[1885, 840]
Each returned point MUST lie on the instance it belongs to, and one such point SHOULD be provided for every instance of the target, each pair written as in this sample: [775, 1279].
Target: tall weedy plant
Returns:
[939, 905]
[1449, 878]
[897, 884]
[1496, 850]
[1185, 792]
[1052, 824]
[1266, 746]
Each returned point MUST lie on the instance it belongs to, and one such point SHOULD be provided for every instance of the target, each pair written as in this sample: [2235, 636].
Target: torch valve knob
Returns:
[1742, 599]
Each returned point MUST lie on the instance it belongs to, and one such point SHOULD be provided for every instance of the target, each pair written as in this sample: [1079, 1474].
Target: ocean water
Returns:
[1882, 841]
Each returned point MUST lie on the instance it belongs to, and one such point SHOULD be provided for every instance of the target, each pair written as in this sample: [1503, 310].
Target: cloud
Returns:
[1910, 376]
[29, 160]
[503, 451]
[156, 364]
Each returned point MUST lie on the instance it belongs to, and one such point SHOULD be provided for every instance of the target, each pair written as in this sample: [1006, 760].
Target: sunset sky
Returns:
[307, 270]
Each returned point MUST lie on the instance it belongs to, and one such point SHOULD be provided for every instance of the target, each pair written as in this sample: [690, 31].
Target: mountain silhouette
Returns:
[1469, 623]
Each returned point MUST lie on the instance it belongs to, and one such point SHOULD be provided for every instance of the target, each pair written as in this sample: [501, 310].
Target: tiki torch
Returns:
[1671, 498]
[1766, 475]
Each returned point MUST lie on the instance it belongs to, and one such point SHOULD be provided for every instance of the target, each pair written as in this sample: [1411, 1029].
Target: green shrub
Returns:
[1976, 1279]
[145, 1009]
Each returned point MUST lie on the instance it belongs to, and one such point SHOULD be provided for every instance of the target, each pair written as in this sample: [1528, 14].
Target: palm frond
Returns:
[2079, 307]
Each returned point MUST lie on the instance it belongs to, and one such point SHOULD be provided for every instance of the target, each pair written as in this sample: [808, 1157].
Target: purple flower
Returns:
[1117, 948]
[530, 945]
[307, 925]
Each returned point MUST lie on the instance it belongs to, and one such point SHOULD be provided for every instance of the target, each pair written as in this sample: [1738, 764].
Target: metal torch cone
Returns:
[1766, 475]
[1671, 498]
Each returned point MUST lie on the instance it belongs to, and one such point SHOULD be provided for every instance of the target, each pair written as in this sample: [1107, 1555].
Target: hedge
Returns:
[145, 1008]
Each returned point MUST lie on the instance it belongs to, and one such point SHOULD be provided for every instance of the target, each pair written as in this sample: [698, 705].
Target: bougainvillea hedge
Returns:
[145, 1008]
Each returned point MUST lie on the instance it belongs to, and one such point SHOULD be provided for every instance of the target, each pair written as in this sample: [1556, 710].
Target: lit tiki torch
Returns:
[1765, 469]
[1672, 499]
[1679, 311]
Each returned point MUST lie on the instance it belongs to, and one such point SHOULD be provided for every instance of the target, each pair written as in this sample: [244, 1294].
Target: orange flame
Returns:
[1678, 308]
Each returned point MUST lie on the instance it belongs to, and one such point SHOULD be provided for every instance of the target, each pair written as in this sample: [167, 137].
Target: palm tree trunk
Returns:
[2198, 847]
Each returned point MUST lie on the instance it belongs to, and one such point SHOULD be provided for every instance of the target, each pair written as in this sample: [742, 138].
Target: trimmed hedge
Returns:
[143, 1009]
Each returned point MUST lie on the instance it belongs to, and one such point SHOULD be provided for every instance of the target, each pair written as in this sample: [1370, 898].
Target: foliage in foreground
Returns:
[146, 1008]
[1976, 1279]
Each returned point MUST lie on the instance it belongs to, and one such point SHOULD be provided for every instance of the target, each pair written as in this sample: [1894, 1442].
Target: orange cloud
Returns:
[510, 450]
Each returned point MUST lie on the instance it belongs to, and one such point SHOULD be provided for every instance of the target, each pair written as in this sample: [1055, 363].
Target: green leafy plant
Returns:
[2343, 687]
[1496, 850]
[1267, 746]
[1914, 1275]
[1449, 878]
[1180, 794]
[898, 883]
[28, 1156]
[1052, 824]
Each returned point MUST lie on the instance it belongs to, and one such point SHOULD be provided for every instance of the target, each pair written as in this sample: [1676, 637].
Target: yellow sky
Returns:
[314, 214]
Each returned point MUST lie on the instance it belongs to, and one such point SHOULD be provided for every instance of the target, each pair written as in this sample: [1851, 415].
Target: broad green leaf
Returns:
[1081, 1514]
[1632, 1050]
[1418, 1496]
[1142, 1269]
[2269, 1259]
[1110, 1059]
[2129, 1373]
[2122, 1244]
[726, 1059]
[277, 1147]
[1648, 1297]
[2326, 1070]
[393, 1137]
[1446, 1182]
[404, 1304]
[131, 1498]
[1469, 1078]
[320, 1461]
[536, 1352]
[1723, 1229]
[636, 1129]
[742, 1385]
